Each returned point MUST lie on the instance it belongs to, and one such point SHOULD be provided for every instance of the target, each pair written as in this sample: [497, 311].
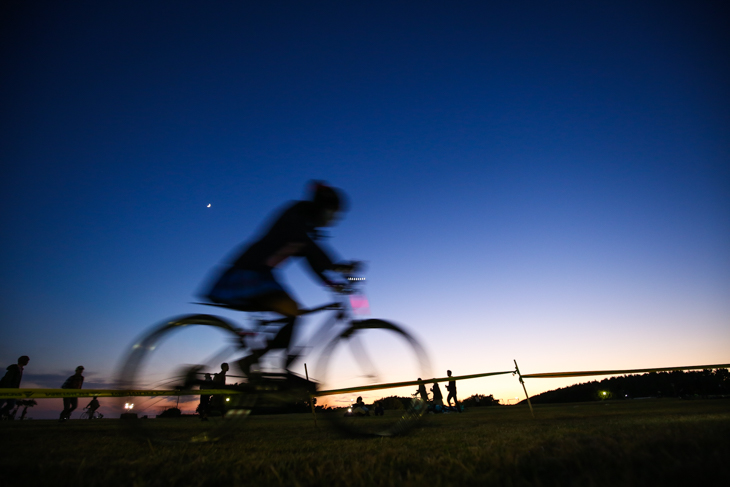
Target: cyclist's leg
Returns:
[9, 405]
[286, 306]
[283, 304]
[260, 291]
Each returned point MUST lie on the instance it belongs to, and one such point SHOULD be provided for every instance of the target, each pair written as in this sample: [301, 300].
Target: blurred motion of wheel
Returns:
[174, 356]
[373, 352]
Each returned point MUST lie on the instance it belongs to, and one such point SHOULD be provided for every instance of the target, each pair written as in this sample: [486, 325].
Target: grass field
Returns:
[632, 443]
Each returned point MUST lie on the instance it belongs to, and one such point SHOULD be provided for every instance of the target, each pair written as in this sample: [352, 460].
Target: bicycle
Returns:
[352, 353]
[93, 414]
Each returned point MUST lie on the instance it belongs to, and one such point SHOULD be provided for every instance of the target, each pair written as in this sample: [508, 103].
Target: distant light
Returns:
[208, 205]
[228, 399]
[128, 405]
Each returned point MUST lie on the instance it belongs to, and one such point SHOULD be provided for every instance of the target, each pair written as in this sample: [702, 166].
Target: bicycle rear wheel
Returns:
[367, 355]
[172, 359]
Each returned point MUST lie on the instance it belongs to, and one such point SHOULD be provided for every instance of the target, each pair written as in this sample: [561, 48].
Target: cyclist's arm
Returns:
[323, 265]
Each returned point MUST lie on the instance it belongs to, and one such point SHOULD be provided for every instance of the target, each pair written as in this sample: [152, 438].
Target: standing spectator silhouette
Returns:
[422, 391]
[438, 399]
[451, 387]
[71, 403]
[92, 407]
[11, 380]
[219, 379]
[204, 398]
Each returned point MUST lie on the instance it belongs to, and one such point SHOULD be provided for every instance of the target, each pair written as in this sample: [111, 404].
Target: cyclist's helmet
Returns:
[326, 197]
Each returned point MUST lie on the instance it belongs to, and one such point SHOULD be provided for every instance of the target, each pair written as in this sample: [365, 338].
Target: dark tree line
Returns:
[477, 400]
[480, 400]
[691, 384]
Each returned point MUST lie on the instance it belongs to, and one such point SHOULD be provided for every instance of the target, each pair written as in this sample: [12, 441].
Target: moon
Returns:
[208, 205]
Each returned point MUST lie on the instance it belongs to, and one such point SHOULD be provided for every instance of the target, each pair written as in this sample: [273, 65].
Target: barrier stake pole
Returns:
[524, 389]
[311, 398]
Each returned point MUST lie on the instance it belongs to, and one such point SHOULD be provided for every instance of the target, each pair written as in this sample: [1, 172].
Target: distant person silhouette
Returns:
[11, 380]
[250, 282]
[71, 403]
[92, 407]
[438, 399]
[219, 379]
[422, 391]
[205, 398]
[451, 387]
[217, 402]
[359, 408]
[379, 411]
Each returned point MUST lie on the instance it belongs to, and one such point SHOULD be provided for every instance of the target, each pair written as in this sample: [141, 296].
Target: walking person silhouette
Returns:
[451, 387]
[11, 380]
[71, 403]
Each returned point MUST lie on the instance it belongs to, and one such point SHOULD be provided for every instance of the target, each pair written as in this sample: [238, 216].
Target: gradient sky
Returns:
[546, 182]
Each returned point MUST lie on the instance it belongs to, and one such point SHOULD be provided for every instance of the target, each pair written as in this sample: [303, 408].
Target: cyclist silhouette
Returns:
[250, 282]
[92, 407]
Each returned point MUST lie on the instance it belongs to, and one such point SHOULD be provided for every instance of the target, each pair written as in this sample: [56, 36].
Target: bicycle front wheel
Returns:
[361, 370]
[164, 377]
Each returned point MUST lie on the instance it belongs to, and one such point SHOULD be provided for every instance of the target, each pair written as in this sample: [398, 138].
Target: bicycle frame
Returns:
[325, 331]
[343, 315]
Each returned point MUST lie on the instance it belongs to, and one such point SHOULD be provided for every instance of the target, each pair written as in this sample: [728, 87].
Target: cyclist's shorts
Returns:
[240, 287]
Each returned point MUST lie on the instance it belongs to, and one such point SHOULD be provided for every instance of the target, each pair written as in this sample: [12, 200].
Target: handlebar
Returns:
[352, 273]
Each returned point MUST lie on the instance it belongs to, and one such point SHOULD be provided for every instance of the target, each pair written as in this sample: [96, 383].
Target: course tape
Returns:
[56, 393]
[60, 393]
[393, 385]
[620, 372]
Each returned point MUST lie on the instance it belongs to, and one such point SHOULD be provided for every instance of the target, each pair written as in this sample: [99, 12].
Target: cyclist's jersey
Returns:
[289, 236]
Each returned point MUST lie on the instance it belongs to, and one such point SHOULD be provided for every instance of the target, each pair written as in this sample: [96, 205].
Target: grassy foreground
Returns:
[628, 443]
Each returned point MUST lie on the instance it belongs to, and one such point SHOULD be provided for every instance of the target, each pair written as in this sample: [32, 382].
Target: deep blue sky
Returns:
[541, 182]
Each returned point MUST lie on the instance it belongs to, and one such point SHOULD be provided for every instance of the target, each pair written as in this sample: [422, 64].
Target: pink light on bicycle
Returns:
[360, 304]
